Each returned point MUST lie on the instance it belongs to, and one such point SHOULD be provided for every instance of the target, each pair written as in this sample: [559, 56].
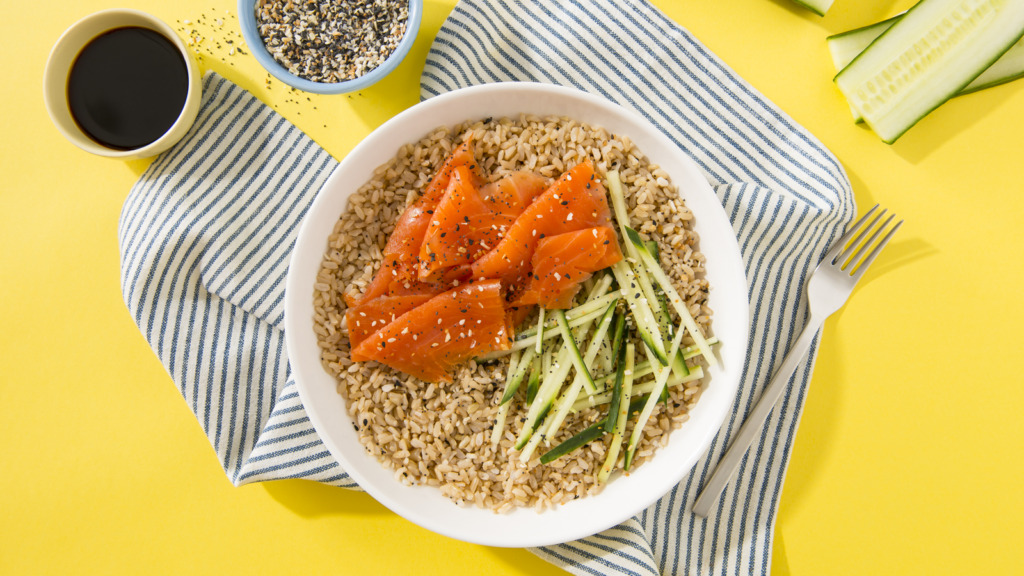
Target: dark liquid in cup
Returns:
[127, 87]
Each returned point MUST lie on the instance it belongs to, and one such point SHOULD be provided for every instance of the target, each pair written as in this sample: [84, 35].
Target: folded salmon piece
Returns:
[430, 340]
[575, 201]
[563, 262]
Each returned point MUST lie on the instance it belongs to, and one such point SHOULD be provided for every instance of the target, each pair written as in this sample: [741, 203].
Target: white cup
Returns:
[66, 50]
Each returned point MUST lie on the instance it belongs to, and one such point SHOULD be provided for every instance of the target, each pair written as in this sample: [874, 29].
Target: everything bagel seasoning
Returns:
[331, 40]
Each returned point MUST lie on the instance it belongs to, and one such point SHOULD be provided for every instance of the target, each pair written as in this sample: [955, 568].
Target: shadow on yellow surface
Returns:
[780, 564]
[312, 499]
[942, 126]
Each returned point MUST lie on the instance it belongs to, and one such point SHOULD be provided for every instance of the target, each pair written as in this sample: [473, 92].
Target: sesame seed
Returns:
[328, 41]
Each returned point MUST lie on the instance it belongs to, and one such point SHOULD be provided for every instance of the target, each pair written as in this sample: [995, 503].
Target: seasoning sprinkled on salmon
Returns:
[469, 260]
[401, 254]
[433, 338]
[575, 201]
[563, 262]
[368, 317]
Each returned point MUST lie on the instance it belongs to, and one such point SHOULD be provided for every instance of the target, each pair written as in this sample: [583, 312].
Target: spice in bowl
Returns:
[331, 41]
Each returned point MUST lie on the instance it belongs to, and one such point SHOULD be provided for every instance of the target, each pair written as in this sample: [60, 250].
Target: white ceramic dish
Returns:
[625, 496]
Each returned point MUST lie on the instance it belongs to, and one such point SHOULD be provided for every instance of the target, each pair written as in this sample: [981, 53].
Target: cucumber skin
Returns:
[1015, 54]
[895, 29]
[819, 7]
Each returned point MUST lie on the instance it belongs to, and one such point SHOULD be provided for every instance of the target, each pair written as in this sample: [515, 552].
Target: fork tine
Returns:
[841, 243]
[851, 261]
[844, 256]
[863, 266]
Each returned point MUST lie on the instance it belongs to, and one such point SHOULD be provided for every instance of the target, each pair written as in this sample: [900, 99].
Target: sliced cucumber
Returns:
[540, 327]
[574, 351]
[646, 325]
[577, 441]
[1009, 67]
[639, 388]
[623, 364]
[510, 386]
[933, 52]
[661, 379]
[618, 411]
[673, 296]
[845, 46]
[643, 281]
[819, 7]
[565, 403]
[541, 364]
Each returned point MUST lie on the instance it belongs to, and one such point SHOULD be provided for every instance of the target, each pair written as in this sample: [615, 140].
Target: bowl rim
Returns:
[705, 419]
[247, 21]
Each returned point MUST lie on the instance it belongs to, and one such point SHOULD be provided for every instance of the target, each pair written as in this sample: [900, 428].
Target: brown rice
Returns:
[439, 434]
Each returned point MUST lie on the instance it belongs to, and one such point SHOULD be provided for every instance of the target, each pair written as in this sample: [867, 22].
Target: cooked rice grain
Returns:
[439, 434]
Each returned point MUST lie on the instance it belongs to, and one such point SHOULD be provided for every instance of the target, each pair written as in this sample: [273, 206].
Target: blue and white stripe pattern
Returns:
[205, 235]
[788, 199]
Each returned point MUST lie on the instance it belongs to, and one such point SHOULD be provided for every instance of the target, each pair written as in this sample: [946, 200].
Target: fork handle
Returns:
[755, 421]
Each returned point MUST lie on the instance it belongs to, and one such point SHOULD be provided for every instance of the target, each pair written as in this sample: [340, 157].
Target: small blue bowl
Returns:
[247, 18]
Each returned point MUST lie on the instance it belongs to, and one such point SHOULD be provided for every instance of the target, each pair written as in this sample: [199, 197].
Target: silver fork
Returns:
[828, 288]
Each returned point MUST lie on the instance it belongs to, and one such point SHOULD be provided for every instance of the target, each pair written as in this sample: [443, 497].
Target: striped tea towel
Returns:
[206, 232]
[788, 199]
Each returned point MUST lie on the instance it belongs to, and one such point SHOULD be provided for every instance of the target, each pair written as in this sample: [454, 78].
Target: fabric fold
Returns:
[204, 237]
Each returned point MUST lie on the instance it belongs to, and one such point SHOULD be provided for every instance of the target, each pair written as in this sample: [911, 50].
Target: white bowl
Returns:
[66, 50]
[625, 496]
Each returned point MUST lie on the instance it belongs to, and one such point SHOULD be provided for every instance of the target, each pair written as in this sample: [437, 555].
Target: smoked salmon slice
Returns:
[575, 201]
[563, 262]
[365, 318]
[401, 254]
[468, 261]
[469, 220]
[513, 193]
[430, 340]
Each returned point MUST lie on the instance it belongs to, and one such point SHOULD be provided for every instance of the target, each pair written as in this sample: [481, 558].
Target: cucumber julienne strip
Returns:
[574, 351]
[618, 197]
[645, 415]
[696, 373]
[540, 327]
[646, 326]
[673, 296]
[517, 370]
[620, 377]
[933, 52]
[584, 437]
[566, 402]
[536, 370]
[620, 412]
[510, 385]
[845, 46]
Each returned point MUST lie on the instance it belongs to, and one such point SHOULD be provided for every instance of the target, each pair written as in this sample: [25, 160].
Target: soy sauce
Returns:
[127, 87]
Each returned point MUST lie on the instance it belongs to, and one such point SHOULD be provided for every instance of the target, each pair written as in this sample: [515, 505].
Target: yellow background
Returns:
[907, 461]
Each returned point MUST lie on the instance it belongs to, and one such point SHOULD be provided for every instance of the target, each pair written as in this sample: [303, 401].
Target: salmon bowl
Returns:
[450, 450]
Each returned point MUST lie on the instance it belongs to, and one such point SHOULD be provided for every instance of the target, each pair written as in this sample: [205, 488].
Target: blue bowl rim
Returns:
[247, 20]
